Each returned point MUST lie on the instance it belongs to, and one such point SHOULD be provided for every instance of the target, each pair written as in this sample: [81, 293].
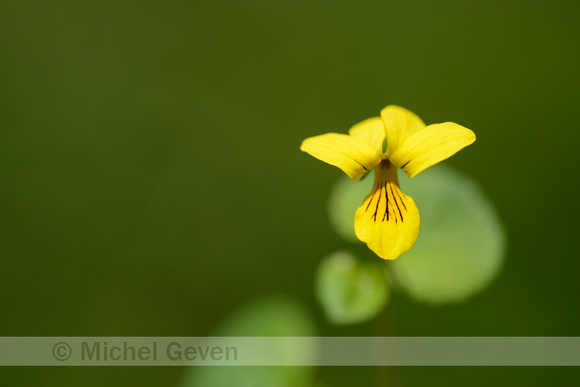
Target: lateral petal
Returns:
[371, 131]
[431, 145]
[353, 156]
[400, 123]
[388, 221]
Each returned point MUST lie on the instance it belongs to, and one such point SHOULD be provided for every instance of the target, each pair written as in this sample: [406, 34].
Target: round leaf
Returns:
[350, 291]
[345, 197]
[461, 243]
[272, 316]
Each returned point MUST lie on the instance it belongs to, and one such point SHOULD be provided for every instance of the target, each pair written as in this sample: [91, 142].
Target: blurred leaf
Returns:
[461, 244]
[351, 291]
[345, 197]
[271, 316]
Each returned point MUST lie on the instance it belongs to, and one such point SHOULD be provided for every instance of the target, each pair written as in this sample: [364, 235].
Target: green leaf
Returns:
[461, 243]
[271, 316]
[345, 197]
[351, 291]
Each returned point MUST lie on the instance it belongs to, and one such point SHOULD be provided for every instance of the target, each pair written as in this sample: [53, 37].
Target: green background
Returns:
[152, 180]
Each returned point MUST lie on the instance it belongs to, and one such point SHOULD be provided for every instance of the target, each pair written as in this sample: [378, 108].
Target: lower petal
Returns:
[388, 221]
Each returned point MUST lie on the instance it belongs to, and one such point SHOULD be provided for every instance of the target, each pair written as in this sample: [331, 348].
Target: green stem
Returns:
[383, 326]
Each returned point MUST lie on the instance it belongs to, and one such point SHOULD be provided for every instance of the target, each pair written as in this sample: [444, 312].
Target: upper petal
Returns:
[400, 123]
[430, 146]
[353, 156]
[371, 131]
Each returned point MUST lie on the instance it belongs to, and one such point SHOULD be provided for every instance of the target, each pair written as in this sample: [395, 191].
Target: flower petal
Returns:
[431, 145]
[371, 131]
[388, 221]
[400, 123]
[353, 156]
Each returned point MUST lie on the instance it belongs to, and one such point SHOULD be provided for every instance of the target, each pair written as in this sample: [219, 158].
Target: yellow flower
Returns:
[388, 220]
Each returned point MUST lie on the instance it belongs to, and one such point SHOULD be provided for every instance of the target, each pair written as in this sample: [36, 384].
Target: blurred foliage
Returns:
[270, 316]
[351, 291]
[345, 197]
[461, 243]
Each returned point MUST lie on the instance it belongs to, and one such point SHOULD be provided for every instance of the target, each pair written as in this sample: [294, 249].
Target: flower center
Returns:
[385, 168]
[386, 203]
